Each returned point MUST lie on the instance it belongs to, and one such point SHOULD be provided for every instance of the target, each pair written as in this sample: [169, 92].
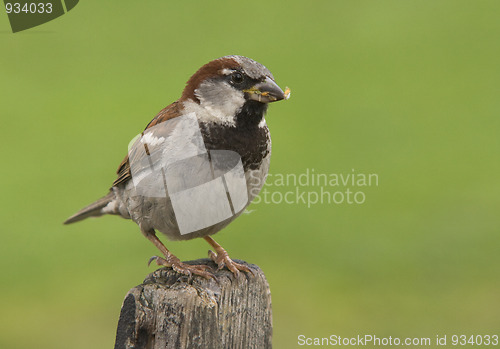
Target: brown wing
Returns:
[170, 112]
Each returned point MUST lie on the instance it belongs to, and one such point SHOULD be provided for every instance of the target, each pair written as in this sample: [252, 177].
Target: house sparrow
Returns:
[208, 142]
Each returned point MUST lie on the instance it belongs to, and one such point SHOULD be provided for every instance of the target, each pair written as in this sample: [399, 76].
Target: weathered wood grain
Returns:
[170, 311]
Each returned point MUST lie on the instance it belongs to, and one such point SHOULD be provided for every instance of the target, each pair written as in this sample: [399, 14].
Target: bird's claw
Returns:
[222, 259]
[182, 268]
[152, 259]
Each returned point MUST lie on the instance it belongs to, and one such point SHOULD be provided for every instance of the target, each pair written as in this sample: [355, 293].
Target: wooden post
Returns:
[170, 311]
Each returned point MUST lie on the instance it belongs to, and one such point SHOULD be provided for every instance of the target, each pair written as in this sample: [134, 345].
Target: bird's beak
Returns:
[266, 91]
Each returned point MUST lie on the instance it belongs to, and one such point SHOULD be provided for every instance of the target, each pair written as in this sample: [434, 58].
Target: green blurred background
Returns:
[408, 90]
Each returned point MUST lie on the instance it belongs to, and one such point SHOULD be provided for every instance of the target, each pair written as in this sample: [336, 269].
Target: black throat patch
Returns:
[246, 138]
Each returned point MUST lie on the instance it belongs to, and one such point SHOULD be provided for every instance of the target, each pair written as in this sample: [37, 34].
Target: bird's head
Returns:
[233, 88]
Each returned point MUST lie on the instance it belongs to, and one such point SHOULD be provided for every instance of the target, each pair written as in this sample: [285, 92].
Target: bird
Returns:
[198, 163]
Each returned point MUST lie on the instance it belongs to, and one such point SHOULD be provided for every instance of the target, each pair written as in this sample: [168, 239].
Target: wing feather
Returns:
[172, 111]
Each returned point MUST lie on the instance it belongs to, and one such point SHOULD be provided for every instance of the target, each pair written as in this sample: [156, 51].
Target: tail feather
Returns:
[93, 210]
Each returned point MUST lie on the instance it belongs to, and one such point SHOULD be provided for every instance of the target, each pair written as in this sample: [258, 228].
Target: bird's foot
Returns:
[186, 269]
[221, 258]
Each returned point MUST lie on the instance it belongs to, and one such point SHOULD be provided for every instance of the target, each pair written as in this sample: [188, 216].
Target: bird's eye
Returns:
[237, 78]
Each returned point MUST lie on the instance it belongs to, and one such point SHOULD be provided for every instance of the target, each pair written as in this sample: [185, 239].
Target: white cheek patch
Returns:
[219, 103]
[208, 116]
